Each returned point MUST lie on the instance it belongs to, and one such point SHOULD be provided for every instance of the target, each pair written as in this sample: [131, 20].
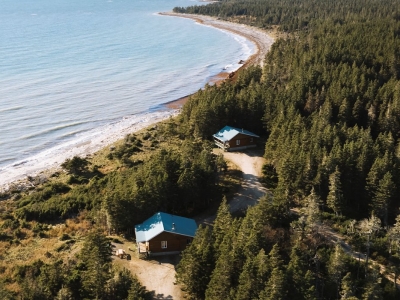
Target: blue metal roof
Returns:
[227, 133]
[161, 222]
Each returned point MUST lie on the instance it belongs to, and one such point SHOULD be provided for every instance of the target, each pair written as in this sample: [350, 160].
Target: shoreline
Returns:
[19, 175]
[261, 39]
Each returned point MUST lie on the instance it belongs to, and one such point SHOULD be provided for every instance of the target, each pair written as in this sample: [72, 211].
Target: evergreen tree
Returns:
[64, 294]
[118, 286]
[394, 236]
[137, 291]
[96, 256]
[300, 279]
[347, 288]
[373, 290]
[335, 196]
[275, 288]
[336, 267]
[383, 196]
[194, 270]
[221, 225]
[311, 209]
[367, 228]
[253, 277]
[221, 279]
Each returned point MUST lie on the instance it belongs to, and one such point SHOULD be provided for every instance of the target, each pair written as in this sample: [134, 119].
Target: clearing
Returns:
[158, 273]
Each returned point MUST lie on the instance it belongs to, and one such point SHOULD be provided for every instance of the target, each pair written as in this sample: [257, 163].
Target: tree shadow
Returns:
[165, 260]
[153, 295]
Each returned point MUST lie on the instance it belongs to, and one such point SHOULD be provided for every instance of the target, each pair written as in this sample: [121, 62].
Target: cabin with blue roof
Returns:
[164, 234]
[235, 139]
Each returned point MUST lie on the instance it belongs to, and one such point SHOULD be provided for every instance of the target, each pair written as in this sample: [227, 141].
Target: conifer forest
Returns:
[327, 105]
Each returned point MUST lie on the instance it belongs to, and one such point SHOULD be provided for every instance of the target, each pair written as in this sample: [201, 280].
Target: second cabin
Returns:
[235, 139]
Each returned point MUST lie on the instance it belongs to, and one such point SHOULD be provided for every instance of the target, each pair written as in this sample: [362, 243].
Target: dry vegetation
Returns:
[25, 242]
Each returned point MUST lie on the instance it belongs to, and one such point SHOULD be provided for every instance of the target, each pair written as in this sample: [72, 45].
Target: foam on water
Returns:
[76, 77]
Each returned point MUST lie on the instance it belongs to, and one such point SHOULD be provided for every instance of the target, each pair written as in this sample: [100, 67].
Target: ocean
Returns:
[73, 70]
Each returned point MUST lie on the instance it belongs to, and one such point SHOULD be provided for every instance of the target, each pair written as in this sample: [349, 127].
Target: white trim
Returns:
[163, 244]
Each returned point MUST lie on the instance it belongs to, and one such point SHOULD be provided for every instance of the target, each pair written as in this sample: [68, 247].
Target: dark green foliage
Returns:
[270, 177]
[293, 15]
[300, 278]
[194, 269]
[137, 291]
[126, 150]
[75, 165]
[238, 105]
[89, 277]
[221, 226]
[39, 280]
[120, 285]
[330, 98]
[178, 182]
[96, 257]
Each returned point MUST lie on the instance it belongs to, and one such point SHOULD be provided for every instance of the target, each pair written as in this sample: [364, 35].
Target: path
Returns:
[250, 162]
[338, 238]
[157, 275]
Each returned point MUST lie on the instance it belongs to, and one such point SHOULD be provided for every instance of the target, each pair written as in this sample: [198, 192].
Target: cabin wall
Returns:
[245, 141]
[175, 242]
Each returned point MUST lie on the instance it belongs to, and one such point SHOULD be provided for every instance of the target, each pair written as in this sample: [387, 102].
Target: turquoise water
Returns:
[69, 68]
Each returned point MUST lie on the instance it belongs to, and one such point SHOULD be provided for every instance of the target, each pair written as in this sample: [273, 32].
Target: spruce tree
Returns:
[347, 288]
[275, 288]
[336, 267]
[299, 277]
[221, 225]
[137, 291]
[383, 196]
[335, 196]
[253, 277]
[96, 256]
[221, 280]
[194, 270]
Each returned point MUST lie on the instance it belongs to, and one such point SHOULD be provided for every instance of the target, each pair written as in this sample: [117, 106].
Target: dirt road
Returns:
[250, 162]
[158, 274]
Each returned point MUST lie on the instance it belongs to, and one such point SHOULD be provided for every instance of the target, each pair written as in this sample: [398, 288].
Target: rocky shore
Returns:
[27, 174]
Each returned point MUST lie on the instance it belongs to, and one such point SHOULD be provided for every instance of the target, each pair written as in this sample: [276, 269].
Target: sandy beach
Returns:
[45, 163]
[260, 38]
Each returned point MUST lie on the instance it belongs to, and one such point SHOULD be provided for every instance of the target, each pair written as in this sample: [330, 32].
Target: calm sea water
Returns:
[69, 67]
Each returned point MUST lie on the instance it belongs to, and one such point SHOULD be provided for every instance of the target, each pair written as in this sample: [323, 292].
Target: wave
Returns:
[51, 130]
[74, 85]
[82, 144]
[10, 109]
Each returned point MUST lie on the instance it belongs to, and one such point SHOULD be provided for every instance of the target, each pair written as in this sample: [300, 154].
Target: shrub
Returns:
[65, 237]
[4, 236]
[10, 224]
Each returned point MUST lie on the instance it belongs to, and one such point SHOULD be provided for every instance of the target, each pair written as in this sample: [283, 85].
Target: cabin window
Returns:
[237, 142]
[188, 241]
[251, 140]
[163, 244]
